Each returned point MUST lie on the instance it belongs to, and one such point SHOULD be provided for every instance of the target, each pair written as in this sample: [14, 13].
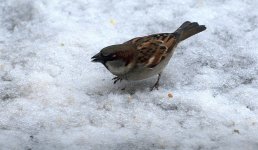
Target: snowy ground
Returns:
[53, 97]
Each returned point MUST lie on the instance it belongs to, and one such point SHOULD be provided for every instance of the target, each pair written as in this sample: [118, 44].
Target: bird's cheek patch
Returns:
[127, 57]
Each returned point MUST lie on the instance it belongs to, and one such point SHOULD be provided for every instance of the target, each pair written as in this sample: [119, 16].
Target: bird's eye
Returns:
[114, 55]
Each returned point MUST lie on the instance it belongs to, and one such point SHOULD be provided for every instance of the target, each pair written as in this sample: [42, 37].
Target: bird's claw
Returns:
[155, 86]
[117, 79]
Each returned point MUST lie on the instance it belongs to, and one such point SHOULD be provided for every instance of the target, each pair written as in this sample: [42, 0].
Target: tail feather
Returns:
[188, 29]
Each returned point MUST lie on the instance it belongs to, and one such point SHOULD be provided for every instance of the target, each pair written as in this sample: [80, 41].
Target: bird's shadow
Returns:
[126, 87]
[131, 87]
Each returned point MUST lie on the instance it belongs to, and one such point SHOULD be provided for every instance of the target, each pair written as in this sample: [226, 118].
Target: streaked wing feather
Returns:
[153, 49]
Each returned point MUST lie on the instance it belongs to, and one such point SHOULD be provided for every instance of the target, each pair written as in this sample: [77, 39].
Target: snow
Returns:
[53, 97]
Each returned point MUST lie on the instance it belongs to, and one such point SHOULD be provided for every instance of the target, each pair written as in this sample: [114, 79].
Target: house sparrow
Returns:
[144, 57]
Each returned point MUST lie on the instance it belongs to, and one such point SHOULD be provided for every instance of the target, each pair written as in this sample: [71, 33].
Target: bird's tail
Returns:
[188, 29]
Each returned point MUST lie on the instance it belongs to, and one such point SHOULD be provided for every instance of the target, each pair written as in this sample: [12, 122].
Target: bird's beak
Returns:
[97, 58]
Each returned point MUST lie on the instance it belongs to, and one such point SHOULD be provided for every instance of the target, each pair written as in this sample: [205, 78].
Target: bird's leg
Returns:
[156, 85]
[117, 79]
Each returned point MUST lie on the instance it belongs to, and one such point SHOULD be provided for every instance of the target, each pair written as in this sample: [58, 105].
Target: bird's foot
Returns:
[117, 79]
[155, 86]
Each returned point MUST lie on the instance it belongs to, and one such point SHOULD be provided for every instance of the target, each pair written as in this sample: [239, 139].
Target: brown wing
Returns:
[153, 49]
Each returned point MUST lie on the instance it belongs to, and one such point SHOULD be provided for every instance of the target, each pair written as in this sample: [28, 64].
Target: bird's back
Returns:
[154, 51]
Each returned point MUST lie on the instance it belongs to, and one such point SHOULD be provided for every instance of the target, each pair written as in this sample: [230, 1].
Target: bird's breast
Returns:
[140, 72]
[118, 67]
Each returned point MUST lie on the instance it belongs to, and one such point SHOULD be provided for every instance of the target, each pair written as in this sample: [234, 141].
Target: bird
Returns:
[143, 57]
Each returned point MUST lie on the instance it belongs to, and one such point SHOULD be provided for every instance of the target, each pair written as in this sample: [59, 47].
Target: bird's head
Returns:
[115, 58]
